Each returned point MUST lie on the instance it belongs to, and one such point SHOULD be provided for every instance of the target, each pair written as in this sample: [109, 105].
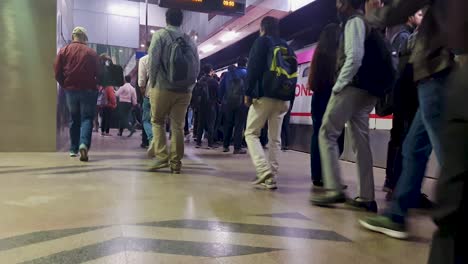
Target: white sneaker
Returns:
[269, 184]
[73, 154]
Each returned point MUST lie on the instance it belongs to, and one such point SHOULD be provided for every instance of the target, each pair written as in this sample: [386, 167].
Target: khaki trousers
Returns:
[165, 103]
[265, 110]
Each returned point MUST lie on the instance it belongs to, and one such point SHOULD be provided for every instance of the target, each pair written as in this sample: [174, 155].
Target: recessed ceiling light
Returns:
[207, 48]
[229, 36]
[153, 31]
[142, 45]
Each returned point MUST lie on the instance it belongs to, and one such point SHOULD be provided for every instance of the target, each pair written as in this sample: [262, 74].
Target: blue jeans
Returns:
[147, 119]
[422, 138]
[82, 107]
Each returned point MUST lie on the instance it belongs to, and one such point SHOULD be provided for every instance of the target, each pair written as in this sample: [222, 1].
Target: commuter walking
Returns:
[405, 102]
[127, 100]
[321, 81]
[174, 67]
[269, 90]
[349, 104]
[107, 101]
[77, 71]
[143, 83]
[205, 98]
[232, 88]
[432, 63]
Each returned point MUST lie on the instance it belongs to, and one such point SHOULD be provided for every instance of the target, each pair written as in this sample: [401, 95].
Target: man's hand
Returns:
[247, 101]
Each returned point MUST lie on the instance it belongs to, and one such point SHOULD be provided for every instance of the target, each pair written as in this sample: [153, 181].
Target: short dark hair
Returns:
[174, 17]
[270, 26]
[242, 61]
[207, 68]
[356, 4]
[128, 78]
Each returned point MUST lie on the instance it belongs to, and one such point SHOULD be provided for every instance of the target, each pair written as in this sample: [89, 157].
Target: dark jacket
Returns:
[77, 67]
[431, 53]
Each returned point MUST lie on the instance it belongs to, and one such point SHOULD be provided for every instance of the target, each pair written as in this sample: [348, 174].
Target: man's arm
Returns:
[257, 64]
[154, 52]
[58, 69]
[354, 37]
[143, 74]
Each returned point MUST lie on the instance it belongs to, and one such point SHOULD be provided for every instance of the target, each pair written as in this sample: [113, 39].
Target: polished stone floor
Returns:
[111, 210]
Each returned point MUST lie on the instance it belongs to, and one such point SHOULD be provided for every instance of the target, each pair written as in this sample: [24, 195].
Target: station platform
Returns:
[112, 210]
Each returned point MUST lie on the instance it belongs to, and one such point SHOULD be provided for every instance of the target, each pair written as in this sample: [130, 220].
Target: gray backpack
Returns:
[182, 68]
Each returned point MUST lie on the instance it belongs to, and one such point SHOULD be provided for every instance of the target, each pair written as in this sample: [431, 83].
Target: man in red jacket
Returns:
[76, 70]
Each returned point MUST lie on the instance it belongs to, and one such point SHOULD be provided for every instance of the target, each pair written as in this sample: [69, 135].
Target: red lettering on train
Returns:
[301, 90]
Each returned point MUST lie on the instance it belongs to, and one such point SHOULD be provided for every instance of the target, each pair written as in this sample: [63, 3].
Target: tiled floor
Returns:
[111, 210]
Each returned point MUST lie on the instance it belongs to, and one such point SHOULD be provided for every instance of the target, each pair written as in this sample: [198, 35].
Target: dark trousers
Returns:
[319, 105]
[186, 127]
[234, 119]
[106, 119]
[401, 126]
[125, 110]
[206, 122]
[451, 214]
[285, 130]
[264, 136]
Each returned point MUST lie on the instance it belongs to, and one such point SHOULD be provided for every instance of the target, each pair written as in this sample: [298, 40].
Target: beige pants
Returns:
[351, 106]
[265, 110]
[166, 103]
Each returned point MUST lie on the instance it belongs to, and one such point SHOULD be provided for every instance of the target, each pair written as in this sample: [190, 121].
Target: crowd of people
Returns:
[375, 53]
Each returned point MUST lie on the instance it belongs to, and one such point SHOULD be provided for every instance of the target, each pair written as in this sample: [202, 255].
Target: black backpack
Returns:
[378, 72]
[280, 79]
[235, 90]
[201, 94]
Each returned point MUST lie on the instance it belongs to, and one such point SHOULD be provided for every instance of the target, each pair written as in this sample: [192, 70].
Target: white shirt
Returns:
[143, 74]
[354, 37]
[127, 94]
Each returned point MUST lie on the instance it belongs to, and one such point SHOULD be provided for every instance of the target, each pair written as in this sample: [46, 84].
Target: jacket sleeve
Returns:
[256, 67]
[58, 68]
[143, 72]
[222, 88]
[155, 54]
[355, 36]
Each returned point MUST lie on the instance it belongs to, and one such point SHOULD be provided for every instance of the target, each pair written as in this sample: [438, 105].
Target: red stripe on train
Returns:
[370, 116]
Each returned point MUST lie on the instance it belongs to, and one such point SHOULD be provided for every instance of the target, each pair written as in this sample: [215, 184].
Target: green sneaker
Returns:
[157, 165]
[386, 226]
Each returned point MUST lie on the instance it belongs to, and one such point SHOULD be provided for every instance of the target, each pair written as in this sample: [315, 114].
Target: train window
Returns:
[305, 73]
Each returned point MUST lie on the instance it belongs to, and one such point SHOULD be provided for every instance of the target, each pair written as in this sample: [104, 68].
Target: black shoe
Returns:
[225, 150]
[198, 146]
[358, 203]
[144, 146]
[329, 198]
[131, 133]
[387, 186]
[119, 134]
[284, 148]
[240, 151]
[318, 184]
[425, 203]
